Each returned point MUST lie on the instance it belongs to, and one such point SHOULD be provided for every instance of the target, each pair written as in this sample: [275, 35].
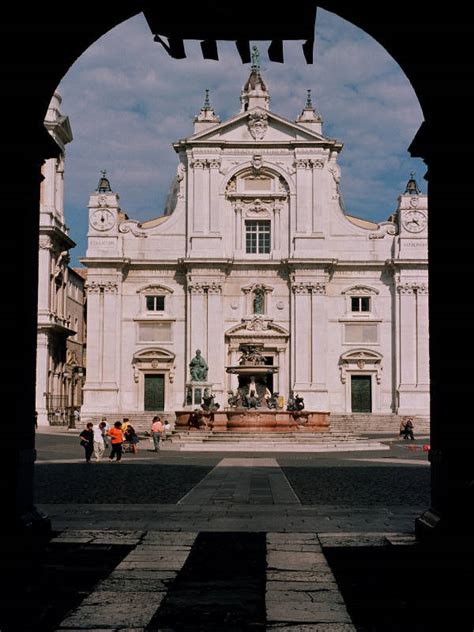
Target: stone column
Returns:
[318, 200]
[44, 267]
[94, 333]
[42, 375]
[407, 334]
[303, 202]
[238, 229]
[214, 215]
[110, 334]
[407, 347]
[276, 230]
[318, 347]
[423, 368]
[282, 375]
[301, 336]
[199, 210]
[215, 353]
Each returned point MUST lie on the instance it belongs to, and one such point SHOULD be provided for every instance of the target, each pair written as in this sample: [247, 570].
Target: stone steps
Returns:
[361, 422]
[340, 424]
[302, 441]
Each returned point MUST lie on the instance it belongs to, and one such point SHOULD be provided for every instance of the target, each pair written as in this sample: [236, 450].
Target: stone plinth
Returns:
[242, 420]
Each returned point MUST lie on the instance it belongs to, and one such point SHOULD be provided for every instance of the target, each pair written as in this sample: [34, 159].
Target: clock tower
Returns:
[412, 216]
[104, 216]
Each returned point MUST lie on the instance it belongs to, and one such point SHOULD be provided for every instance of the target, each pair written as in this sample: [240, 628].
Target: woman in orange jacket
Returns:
[116, 438]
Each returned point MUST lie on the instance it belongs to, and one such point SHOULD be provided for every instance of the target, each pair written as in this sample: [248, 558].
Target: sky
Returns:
[128, 101]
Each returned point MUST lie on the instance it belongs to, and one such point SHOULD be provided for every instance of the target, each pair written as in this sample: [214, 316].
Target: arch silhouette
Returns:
[38, 47]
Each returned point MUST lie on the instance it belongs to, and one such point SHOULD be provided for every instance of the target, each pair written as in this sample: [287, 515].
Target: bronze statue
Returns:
[198, 368]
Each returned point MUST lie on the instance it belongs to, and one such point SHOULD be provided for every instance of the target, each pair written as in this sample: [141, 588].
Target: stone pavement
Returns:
[237, 498]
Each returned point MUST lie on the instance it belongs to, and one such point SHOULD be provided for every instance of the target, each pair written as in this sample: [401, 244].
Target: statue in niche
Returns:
[258, 302]
[198, 368]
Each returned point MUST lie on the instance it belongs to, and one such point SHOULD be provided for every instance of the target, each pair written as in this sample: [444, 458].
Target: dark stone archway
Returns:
[433, 48]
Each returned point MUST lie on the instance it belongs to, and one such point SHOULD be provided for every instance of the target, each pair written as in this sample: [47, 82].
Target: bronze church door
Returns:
[361, 393]
[154, 392]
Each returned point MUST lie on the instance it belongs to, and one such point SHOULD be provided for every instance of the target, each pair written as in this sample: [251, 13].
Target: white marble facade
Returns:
[255, 247]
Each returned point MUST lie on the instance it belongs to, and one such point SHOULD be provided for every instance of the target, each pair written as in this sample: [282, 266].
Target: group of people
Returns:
[95, 439]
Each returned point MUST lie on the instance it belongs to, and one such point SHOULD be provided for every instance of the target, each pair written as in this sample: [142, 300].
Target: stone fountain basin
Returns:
[264, 369]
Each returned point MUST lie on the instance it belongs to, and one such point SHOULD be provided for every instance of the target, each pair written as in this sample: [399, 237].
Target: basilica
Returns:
[255, 248]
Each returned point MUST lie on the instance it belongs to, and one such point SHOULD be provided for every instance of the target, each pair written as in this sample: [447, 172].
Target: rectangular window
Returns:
[155, 303]
[154, 332]
[363, 333]
[257, 236]
[360, 303]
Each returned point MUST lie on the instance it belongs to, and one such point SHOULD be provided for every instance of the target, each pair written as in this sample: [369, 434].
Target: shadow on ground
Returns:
[43, 582]
[416, 588]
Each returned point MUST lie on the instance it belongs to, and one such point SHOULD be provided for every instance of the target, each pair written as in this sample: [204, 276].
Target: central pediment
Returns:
[257, 125]
[257, 326]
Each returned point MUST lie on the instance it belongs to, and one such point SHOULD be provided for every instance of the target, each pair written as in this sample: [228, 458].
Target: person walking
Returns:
[156, 432]
[99, 444]
[403, 424]
[116, 437]
[409, 429]
[87, 441]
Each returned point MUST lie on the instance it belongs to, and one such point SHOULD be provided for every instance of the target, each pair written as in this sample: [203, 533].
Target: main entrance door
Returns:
[154, 392]
[361, 393]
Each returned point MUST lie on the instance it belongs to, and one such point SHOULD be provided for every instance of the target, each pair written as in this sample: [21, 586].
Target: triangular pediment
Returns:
[238, 130]
[258, 326]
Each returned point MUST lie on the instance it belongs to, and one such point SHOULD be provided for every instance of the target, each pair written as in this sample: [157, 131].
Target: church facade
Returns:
[255, 248]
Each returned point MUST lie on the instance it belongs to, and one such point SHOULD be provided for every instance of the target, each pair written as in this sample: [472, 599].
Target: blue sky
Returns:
[128, 101]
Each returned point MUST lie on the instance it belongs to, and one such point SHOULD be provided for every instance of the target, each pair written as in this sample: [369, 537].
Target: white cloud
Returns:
[128, 101]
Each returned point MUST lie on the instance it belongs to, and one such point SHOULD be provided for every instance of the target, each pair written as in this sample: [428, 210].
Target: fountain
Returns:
[252, 372]
[253, 407]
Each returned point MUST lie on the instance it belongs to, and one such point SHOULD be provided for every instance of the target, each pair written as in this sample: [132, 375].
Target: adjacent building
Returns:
[59, 363]
[255, 247]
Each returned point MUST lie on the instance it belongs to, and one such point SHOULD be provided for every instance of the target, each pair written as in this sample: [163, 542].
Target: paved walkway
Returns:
[238, 496]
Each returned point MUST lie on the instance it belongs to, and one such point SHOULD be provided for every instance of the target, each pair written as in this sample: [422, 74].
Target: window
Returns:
[360, 303]
[155, 303]
[257, 236]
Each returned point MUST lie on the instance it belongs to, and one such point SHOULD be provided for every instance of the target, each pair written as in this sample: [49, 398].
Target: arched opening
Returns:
[452, 472]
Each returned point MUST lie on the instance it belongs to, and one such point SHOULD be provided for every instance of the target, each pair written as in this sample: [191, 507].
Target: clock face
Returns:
[414, 221]
[102, 220]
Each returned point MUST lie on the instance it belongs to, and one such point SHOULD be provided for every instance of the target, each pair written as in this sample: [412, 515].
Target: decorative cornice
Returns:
[309, 163]
[385, 228]
[209, 287]
[308, 288]
[45, 242]
[205, 163]
[412, 288]
[132, 226]
[95, 287]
